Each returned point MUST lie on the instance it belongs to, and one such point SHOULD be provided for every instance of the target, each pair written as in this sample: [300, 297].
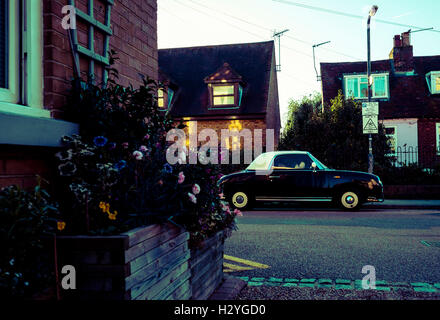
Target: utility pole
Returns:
[318, 77]
[278, 35]
[370, 82]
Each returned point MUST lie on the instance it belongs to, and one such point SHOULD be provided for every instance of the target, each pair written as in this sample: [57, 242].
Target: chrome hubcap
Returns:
[349, 200]
[239, 199]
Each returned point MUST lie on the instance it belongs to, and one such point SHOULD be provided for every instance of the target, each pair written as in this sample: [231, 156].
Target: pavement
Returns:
[231, 286]
[405, 204]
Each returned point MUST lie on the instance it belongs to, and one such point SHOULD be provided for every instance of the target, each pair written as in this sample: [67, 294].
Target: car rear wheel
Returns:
[241, 200]
[350, 200]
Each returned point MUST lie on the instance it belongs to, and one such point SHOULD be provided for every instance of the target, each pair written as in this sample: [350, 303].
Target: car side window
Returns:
[292, 162]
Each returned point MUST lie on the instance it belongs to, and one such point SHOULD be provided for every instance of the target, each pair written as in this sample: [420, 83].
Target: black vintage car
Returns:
[299, 176]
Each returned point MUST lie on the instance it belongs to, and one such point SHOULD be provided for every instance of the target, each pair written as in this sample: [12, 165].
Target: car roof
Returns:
[276, 153]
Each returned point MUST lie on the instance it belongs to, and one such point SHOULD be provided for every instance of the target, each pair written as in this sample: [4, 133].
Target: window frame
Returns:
[273, 167]
[167, 98]
[432, 76]
[238, 95]
[437, 138]
[395, 139]
[359, 76]
[233, 95]
[11, 94]
[25, 93]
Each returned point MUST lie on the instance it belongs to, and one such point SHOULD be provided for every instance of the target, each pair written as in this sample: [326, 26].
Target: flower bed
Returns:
[127, 218]
[150, 263]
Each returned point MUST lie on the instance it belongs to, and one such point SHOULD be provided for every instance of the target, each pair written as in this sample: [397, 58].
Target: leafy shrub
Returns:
[334, 134]
[26, 218]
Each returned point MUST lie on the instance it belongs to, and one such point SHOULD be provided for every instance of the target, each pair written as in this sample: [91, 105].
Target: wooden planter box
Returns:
[149, 263]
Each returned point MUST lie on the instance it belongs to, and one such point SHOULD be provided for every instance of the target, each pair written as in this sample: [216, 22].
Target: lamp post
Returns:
[373, 11]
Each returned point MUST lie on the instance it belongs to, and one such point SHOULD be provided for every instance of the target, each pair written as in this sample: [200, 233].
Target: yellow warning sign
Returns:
[242, 266]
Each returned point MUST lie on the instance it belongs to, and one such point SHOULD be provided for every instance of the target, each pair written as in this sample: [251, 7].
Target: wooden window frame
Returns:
[236, 95]
[24, 95]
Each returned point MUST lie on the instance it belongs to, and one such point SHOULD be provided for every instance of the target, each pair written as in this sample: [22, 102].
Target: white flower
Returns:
[12, 261]
[196, 189]
[138, 155]
[192, 198]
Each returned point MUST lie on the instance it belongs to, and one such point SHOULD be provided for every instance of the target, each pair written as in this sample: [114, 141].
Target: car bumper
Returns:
[376, 196]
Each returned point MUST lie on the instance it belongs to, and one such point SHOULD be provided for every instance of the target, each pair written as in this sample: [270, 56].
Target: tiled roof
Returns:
[189, 67]
[409, 94]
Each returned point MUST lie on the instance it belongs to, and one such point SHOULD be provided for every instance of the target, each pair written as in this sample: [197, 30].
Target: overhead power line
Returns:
[239, 28]
[349, 15]
[270, 30]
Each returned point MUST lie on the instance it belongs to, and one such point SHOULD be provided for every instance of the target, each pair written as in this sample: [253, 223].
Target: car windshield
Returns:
[261, 162]
[318, 163]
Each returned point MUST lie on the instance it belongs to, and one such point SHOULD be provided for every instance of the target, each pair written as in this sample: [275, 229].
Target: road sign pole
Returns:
[370, 138]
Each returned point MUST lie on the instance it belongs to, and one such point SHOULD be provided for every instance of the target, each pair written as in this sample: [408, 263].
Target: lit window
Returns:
[223, 95]
[164, 98]
[390, 133]
[356, 86]
[160, 98]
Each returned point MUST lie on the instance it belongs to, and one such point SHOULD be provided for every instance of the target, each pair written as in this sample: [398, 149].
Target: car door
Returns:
[294, 177]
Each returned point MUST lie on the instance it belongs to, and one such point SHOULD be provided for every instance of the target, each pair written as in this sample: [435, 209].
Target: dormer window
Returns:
[164, 98]
[225, 88]
[433, 80]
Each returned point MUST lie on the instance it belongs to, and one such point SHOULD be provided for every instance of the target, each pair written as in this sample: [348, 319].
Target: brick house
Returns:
[222, 87]
[408, 91]
[38, 59]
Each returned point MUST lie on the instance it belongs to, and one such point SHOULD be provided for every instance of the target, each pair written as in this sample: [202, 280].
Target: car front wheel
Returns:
[350, 200]
[241, 200]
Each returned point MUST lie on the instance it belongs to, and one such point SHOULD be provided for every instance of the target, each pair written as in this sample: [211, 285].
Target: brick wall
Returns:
[427, 142]
[134, 25]
[218, 125]
[20, 165]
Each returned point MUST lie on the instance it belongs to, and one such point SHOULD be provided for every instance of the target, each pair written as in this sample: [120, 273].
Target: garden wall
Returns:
[150, 263]
[412, 191]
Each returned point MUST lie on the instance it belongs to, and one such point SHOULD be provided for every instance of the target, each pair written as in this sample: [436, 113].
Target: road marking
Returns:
[233, 267]
[249, 265]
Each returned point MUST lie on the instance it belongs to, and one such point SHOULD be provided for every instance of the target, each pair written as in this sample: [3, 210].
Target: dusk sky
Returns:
[184, 23]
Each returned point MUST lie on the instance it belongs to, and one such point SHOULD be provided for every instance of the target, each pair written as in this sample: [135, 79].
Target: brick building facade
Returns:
[33, 89]
[222, 87]
[408, 91]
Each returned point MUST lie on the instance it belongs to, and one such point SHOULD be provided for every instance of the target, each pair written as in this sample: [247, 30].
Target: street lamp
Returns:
[373, 11]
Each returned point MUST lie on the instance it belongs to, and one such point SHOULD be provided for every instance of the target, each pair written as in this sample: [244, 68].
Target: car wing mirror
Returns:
[314, 166]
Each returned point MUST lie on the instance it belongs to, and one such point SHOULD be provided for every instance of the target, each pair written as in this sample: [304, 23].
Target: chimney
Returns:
[402, 52]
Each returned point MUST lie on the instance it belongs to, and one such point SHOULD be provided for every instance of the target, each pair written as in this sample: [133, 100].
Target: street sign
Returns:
[370, 124]
[369, 108]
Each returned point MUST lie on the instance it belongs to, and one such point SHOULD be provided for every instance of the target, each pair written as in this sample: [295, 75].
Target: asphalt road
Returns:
[304, 242]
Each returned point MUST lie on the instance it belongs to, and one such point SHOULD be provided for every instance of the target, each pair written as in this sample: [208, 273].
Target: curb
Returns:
[228, 289]
[340, 284]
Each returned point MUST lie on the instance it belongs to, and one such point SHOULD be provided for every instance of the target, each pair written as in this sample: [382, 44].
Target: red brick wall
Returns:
[20, 165]
[134, 25]
[427, 141]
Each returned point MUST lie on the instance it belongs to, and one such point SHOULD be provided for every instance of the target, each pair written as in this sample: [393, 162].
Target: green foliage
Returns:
[411, 174]
[334, 135]
[26, 218]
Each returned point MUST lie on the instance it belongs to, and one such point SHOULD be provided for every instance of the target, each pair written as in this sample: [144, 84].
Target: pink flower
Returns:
[125, 145]
[196, 189]
[221, 195]
[192, 198]
[147, 136]
[181, 178]
[138, 155]
[143, 149]
[238, 213]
